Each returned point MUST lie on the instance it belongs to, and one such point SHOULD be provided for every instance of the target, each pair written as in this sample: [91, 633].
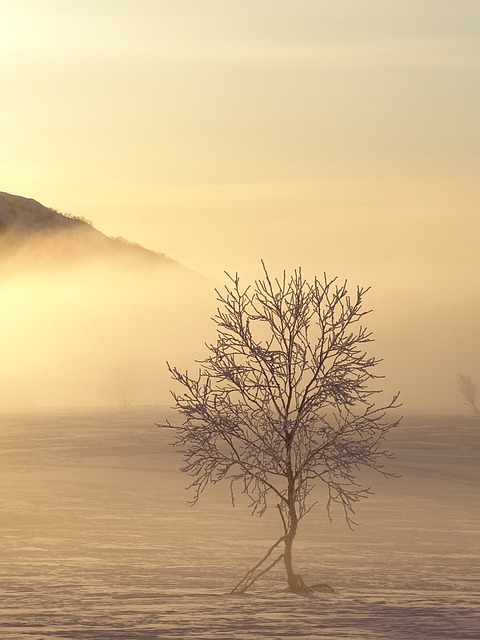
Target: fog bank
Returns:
[79, 334]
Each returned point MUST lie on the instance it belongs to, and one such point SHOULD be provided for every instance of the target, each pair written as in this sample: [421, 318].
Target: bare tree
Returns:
[282, 406]
[122, 384]
[468, 389]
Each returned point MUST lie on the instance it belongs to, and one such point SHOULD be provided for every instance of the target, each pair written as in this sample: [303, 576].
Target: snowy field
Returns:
[98, 541]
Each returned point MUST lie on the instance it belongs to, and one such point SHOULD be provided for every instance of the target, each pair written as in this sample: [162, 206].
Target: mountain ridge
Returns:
[33, 233]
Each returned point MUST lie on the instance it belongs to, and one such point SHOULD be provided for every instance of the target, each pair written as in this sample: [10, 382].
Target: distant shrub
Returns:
[135, 245]
[71, 216]
[125, 241]
[468, 390]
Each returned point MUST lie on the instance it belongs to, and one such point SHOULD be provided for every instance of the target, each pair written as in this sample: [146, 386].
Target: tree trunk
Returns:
[294, 581]
[292, 577]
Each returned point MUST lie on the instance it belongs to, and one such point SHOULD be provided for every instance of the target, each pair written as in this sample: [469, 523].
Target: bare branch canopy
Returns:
[283, 407]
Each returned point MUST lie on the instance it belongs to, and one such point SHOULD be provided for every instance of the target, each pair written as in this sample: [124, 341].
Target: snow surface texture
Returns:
[98, 541]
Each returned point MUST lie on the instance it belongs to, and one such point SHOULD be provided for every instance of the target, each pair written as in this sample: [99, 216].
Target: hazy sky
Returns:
[341, 135]
[328, 133]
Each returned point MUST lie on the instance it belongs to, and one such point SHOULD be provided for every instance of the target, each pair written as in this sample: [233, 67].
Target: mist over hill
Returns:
[83, 314]
[32, 234]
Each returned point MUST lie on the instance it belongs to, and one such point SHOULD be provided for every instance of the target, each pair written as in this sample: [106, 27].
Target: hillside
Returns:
[32, 234]
[77, 307]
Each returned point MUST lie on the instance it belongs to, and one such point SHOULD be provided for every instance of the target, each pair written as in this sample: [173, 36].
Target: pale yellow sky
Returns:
[222, 132]
[340, 135]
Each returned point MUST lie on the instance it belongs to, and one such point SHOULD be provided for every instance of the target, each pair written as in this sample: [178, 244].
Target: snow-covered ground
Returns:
[98, 541]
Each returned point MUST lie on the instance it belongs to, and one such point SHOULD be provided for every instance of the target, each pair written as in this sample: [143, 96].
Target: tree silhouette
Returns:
[122, 384]
[468, 389]
[283, 406]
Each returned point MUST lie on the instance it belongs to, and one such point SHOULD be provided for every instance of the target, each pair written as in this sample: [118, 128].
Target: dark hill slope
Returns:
[32, 234]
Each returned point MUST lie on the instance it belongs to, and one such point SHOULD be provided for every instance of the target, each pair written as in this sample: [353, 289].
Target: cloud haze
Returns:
[66, 333]
[342, 137]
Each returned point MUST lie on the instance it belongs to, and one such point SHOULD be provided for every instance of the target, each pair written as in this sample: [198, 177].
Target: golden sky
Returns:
[221, 132]
[340, 135]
